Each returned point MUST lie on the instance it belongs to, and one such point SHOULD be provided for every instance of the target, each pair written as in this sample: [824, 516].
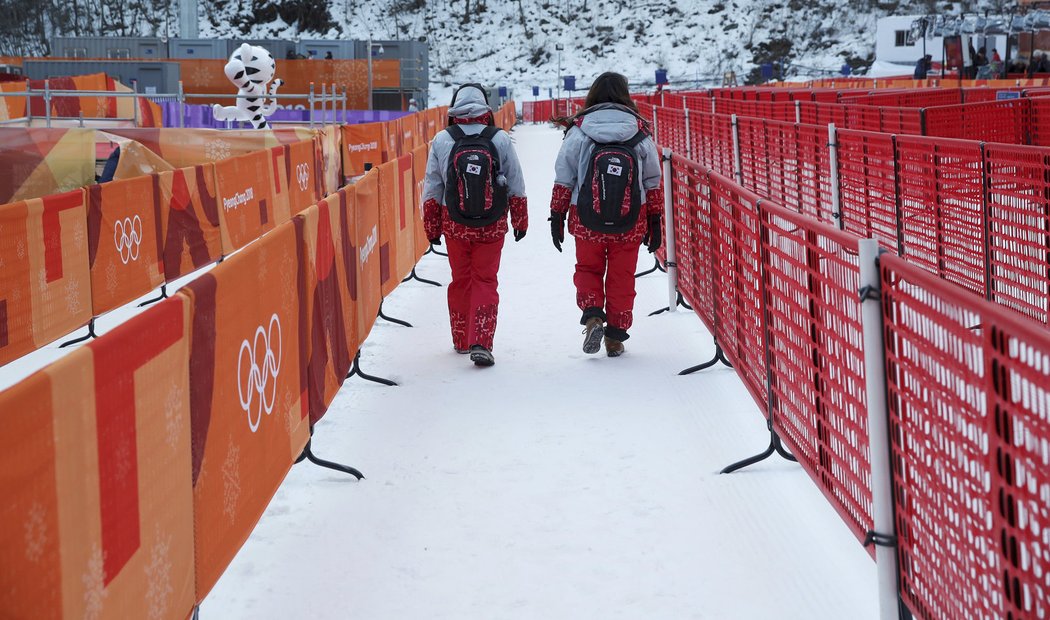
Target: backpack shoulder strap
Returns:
[489, 132]
[456, 132]
[636, 139]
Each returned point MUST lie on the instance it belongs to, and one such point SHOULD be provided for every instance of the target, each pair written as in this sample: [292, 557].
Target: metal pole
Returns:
[672, 266]
[369, 72]
[135, 101]
[738, 168]
[47, 102]
[688, 137]
[878, 431]
[798, 111]
[310, 99]
[182, 106]
[324, 104]
[29, 106]
[836, 193]
[344, 105]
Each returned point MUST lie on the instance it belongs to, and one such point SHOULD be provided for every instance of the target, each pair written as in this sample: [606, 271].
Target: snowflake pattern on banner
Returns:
[101, 106]
[94, 584]
[173, 416]
[158, 577]
[485, 325]
[36, 532]
[111, 277]
[73, 301]
[217, 150]
[231, 481]
[20, 249]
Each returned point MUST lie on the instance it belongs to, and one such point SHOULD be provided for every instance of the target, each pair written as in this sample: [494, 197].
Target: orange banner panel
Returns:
[332, 340]
[189, 213]
[248, 402]
[205, 76]
[368, 292]
[246, 207]
[124, 240]
[330, 138]
[39, 162]
[97, 517]
[183, 148]
[419, 166]
[405, 218]
[388, 226]
[295, 176]
[362, 144]
[392, 135]
[45, 284]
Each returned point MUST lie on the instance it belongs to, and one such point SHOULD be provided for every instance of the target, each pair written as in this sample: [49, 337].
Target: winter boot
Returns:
[613, 347]
[481, 356]
[593, 332]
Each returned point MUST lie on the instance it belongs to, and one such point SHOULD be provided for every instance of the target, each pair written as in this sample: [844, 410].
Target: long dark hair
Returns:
[609, 87]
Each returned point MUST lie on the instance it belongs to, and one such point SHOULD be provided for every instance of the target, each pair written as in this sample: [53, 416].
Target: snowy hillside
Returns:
[512, 42]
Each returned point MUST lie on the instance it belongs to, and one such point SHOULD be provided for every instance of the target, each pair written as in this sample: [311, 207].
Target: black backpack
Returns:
[610, 200]
[475, 193]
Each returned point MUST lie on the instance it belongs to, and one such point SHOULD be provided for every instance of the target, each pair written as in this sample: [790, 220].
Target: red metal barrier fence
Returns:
[968, 387]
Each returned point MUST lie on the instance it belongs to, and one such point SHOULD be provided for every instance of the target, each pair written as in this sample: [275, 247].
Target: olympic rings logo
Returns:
[302, 174]
[127, 236]
[257, 387]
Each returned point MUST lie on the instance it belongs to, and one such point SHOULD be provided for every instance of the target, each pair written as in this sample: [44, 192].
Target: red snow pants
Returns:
[472, 297]
[605, 281]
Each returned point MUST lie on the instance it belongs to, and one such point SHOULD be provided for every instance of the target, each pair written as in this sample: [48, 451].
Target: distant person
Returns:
[922, 67]
[607, 145]
[290, 55]
[412, 107]
[982, 58]
[472, 180]
[995, 55]
[328, 55]
[971, 69]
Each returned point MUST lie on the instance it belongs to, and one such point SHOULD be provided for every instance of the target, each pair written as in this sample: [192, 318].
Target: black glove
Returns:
[435, 241]
[519, 235]
[653, 237]
[557, 221]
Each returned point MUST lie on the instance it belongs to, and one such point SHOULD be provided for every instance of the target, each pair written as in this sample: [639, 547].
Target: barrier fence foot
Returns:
[163, 295]
[415, 276]
[196, 612]
[720, 356]
[91, 334]
[433, 251]
[391, 319]
[308, 453]
[654, 268]
[356, 370]
[678, 302]
[775, 447]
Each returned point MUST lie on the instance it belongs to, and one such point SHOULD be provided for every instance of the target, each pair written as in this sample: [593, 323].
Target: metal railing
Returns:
[330, 95]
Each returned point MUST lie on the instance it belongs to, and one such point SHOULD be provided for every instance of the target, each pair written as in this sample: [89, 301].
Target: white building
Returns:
[896, 51]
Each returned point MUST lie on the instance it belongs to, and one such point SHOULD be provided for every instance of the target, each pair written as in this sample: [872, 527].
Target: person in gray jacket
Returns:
[472, 180]
[608, 182]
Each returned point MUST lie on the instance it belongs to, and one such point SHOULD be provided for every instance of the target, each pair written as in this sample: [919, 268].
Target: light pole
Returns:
[559, 47]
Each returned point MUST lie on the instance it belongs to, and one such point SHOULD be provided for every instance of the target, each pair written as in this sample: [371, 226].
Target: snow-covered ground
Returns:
[553, 485]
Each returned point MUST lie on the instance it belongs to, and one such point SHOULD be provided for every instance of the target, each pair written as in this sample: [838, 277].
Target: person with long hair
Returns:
[608, 183]
[472, 180]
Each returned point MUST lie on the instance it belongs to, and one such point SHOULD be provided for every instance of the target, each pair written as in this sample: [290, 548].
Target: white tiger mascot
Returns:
[250, 68]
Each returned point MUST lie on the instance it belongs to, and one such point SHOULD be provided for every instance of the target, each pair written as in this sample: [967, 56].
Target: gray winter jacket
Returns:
[605, 122]
[470, 103]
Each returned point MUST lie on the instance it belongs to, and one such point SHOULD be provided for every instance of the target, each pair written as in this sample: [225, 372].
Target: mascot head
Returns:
[250, 68]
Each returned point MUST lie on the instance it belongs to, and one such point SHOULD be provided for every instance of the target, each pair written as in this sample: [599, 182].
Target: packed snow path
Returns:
[553, 485]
